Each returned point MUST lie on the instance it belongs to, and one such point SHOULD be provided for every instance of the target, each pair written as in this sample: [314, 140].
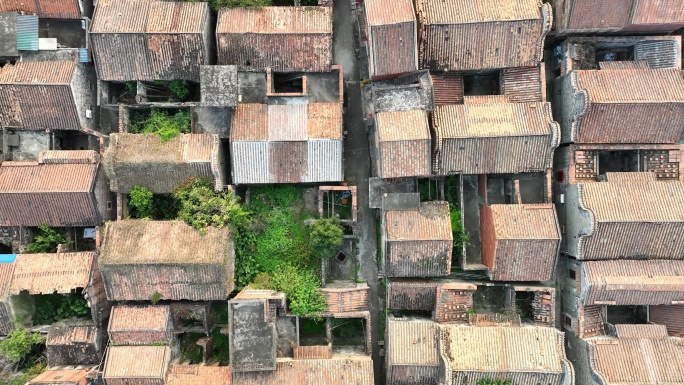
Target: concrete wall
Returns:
[83, 88]
[565, 106]
[577, 221]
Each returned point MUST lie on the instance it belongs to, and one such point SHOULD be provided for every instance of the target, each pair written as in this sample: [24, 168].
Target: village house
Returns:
[33, 193]
[125, 365]
[140, 325]
[188, 374]
[285, 39]
[62, 377]
[391, 37]
[641, 16]
[161, 166]
[74, 343]
[50, 95]
[149, 40]
[171, 260]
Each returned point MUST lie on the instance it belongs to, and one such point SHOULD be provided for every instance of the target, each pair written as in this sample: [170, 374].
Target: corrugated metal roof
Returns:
[638, 361]
[525, 221]
[383, 12]
[27, 33]
[632, 282]
[340, 370]
[275, 20]
[49, 273]
[642, 202]
[135, 362]
[139, 325]
[467, 11]
[503, 349]
[430, 222]
[411, 342]
[176, 17]
[632, 86]
[182, 374]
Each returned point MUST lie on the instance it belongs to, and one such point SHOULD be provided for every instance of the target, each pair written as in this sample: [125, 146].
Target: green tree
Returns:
[162, 123]
[46, 240]
[19, 344]
[140, 200]
[326, 236]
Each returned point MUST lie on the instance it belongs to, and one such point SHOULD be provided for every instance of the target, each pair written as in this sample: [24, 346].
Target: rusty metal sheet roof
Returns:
[383, 12]
[49, 273]
[632, 86]
[411, 342]
[660, 202]
[339, 370]
[632, 282]
[176, 17]
[136, 362]
[525, 221]
[638, 360]
[275, 20]
[430, 222]
[61, 377]
[45, 9]
[182, 374]
[519, 349]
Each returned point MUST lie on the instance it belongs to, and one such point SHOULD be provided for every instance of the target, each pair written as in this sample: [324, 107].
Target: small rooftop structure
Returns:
[140, 257]
[136, 364]
[61, 377]
[150, 40]
[219, 85]
[47, 95]
[145, 160]
[404, 146]
[625, 220]
[140, 325]
[181, 374]
[418, 242]
[45, 9]
[286, 39]
[338, 370]
[296, 142]
[73, 344]
[392, 37]
[652, 357]
[520, 241]
[585, 16]
[466, 35]
[489, 135]
[650, 101]
[33, 193]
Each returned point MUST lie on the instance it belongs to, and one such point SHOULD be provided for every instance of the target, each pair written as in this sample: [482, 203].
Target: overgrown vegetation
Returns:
[326, 236]
[488, 381]
[345, 328]
[144, 204]
[216, 4]
[155, 297]
[160, 122]
[460, 234]
[427, 188]
[46, 240]
[131, 88]
[20, 345]
[177, 87]
[51, 308]
[221, 346]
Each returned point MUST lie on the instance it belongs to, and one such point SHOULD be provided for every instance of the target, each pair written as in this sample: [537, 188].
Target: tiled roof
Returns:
[598, 15]
[283, 38]
[411, 295]
[60, 335]
[478, 138]
[519, 349]
[383, 12]
[72, 156]
[650, 331]
[632, 86]
[340, 370]
[139, 258]
[403, 125]
[638, 360]
[61, 195]
[38, 72]
[631, 177]
[657, 15]
[430, 222]
[142, 159]
[447, 88]
[632, 282]
[525, 221]
[48, 273]
[44, 9]
[61, 377]
[404, 146]
[176, 17]
[523, 84]
[411, 342]
[342, 300]
[291, 122]
[6, 273]
[120, 16]
[139, 325]
[476, 35]
[136, 362]
[181, 374]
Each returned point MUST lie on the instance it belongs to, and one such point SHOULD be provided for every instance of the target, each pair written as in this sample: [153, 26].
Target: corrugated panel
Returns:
[447, 88]
[393, 48]
[288, 161]
[411, 342]
[639, 361]
[523, 84]
[177, 17]
[181, 374]
[250, 162]
[335, 371]
[383, 12]
[528, 350]
[418, 258]
[605, 15]
[670, 316]
[139, 325]
[27, 33]
[347, 300]
[411, 295]
[281, 52]
[287, 122]
[135, 364]
[632, 86]
[658, 54]
[632, 282]
[649, 331]
[275, 20]
[324, 161]
[430, 222]
[49, 273]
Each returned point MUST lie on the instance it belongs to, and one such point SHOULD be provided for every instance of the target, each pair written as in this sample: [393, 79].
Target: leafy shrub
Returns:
[46, 240]
[301, 288]
[140, 200]
[155, 297]
[326, 236]
[51, 308]
[19, 344]
[177, 87]
[460, 235]
[488, 381]
[160, 122]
